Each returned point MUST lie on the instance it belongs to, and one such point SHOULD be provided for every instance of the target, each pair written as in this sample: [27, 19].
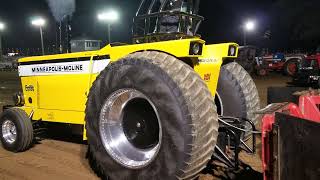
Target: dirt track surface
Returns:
[52, 159]
[48, 160]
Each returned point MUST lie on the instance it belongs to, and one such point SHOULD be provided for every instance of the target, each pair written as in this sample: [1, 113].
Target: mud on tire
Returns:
[238, 94]
[182, 104]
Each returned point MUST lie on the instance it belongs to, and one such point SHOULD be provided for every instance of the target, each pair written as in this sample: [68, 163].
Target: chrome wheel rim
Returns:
[130, 128]
[9, 131]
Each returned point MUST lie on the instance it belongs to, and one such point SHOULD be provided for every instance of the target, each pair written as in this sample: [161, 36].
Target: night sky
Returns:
[292, 23]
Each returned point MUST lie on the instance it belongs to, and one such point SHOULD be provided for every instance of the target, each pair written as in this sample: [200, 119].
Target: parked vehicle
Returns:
[246, 58]
[314, 56]
[286, 64]
[308, 74]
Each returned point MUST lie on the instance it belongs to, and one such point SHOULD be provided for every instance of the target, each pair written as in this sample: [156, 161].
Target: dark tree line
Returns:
[298, 21]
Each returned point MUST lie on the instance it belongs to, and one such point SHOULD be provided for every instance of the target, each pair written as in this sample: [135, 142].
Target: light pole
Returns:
[40, 23]
[108, 17]
[2, 27]
[247, 27]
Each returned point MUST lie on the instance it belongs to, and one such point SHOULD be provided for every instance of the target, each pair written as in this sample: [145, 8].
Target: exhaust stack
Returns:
[65, 35]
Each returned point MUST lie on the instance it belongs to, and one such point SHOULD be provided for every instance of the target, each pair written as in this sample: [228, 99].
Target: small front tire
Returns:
[16, 131]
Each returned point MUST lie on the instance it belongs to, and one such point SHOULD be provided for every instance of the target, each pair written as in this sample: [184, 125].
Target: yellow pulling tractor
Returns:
[149, 110]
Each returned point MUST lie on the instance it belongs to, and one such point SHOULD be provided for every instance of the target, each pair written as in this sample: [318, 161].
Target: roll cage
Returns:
[161, 20]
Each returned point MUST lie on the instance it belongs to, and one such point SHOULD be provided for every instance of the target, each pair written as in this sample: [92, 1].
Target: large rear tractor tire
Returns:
[150, 116]
[290, 68]
[237, 94]
[16, 131]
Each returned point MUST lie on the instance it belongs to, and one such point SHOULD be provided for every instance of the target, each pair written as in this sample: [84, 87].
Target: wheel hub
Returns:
[9, 131]
[292, 68]
[130, 128]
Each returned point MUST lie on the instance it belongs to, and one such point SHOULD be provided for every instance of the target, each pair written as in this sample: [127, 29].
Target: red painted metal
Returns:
[309, 107]
[309, 103]
[292, 68]
[274, 65]
[269, 65]
[314, 57]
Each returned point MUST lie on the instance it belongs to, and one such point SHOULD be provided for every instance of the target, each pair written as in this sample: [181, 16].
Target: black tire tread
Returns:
[248, 87]
[26, 129]
[201, 103]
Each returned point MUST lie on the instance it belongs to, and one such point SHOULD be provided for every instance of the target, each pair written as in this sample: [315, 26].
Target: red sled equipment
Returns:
[290, 132]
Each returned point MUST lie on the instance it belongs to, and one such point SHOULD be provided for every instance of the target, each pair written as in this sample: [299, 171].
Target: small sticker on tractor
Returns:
[207, 77]
[51, 116]
[29, 88]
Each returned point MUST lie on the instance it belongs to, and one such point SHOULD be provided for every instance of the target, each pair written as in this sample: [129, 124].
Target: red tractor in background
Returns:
[314, 56]
[252, 60]
[285, 63]
[290, 131]
[308, 74]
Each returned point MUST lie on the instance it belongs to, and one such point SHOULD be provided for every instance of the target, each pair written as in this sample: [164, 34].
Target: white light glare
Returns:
[38, 22]
[110, 16]
[250, 25]
[2, 26]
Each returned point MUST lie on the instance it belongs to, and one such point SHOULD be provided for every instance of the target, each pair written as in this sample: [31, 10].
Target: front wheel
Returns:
[16, 131]
[150, 116]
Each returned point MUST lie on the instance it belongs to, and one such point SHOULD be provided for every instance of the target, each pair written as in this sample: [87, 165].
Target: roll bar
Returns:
[160, 20]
